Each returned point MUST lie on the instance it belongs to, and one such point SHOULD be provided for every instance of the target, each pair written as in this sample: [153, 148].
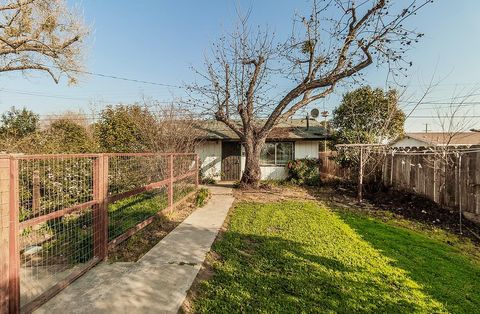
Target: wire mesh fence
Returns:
[4, 234]
[55, 199]
[131, 174]
[60, 214]
[182, 188]
[127, 172]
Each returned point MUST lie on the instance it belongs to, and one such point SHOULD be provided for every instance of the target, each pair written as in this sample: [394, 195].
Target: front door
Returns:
[230, 161]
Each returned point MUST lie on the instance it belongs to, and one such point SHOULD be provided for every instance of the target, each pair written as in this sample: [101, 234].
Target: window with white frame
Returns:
[276, 153]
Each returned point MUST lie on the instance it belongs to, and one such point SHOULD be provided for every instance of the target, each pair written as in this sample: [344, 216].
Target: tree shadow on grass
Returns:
[127, 213]
[271, 275]
[444, 273]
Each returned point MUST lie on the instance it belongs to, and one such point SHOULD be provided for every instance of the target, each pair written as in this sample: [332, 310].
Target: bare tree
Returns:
[445, 155]
[333, 45]
[41, 35]
[455, 118]
[365, 160]
[452, 117]
[174, 128]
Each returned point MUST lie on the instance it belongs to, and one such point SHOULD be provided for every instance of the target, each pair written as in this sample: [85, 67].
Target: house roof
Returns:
[293, 129]
[441, 138]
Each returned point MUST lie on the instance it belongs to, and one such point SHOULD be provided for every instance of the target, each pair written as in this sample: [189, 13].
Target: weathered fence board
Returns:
[329, 168]
[451, 180]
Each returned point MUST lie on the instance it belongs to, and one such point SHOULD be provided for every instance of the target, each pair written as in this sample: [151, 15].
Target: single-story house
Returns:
[437, 139]
[222, 155]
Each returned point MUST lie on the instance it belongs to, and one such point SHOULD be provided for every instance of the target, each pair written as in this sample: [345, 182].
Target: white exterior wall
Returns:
[274, 172]
[306, 149]
[210, 154]
[303, 149]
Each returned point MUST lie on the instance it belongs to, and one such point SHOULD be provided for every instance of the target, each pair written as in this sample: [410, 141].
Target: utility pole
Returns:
[426, 127]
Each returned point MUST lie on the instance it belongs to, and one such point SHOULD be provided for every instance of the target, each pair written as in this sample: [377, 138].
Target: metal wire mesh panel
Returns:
[131, 173]
[183, 164]
[129, 212]
[128, 172]
[56, 220]
[67, 210]
[182, 188]
[184, 171]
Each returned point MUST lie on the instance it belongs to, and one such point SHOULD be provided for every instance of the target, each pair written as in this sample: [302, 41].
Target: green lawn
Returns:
[126, 213]
[300, 257]
[72, 237]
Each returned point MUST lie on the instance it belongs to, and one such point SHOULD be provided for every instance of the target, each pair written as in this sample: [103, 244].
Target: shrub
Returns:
[202, 196]
[18, 123]
[125, 128]
[66, 135]
[303, 171]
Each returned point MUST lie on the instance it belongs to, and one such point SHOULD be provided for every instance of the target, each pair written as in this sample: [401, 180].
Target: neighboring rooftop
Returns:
[441, 139]
[293, 129]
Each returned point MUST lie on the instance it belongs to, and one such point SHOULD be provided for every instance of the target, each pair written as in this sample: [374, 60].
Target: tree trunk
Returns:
[252, 174]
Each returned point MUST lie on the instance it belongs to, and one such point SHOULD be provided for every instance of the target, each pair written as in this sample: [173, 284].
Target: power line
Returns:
[39, 94]
[130, 80]
[48, 96]
[449, 103]
[116, 77]
[86, 116]
[446, 116]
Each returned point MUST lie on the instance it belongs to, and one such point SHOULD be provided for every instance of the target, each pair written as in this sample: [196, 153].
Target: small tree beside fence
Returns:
[60, 214]
[449, 177]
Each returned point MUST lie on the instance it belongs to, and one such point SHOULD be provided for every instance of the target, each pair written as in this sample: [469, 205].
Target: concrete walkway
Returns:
[159, 281]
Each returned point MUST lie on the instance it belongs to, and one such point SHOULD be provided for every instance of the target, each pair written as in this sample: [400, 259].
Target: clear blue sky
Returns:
[159, 40]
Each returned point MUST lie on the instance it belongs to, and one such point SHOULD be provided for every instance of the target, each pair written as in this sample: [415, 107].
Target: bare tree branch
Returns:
[41, 35]
[334, 45]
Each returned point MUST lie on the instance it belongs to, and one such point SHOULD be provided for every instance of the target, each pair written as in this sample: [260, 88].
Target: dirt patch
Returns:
[268, 194]
[418, 208]
[140, 243]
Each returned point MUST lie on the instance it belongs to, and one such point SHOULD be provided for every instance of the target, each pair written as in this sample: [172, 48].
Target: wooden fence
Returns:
[55, 218]
[451, 180]
[329, 168]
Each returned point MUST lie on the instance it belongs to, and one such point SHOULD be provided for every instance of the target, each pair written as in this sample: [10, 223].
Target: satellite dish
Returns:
[314, 113]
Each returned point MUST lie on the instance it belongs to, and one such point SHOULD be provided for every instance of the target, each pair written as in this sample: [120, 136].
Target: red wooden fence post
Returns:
[170, 181]
[9, 250]
[100, 214]
[14, 272]
[4, 233]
